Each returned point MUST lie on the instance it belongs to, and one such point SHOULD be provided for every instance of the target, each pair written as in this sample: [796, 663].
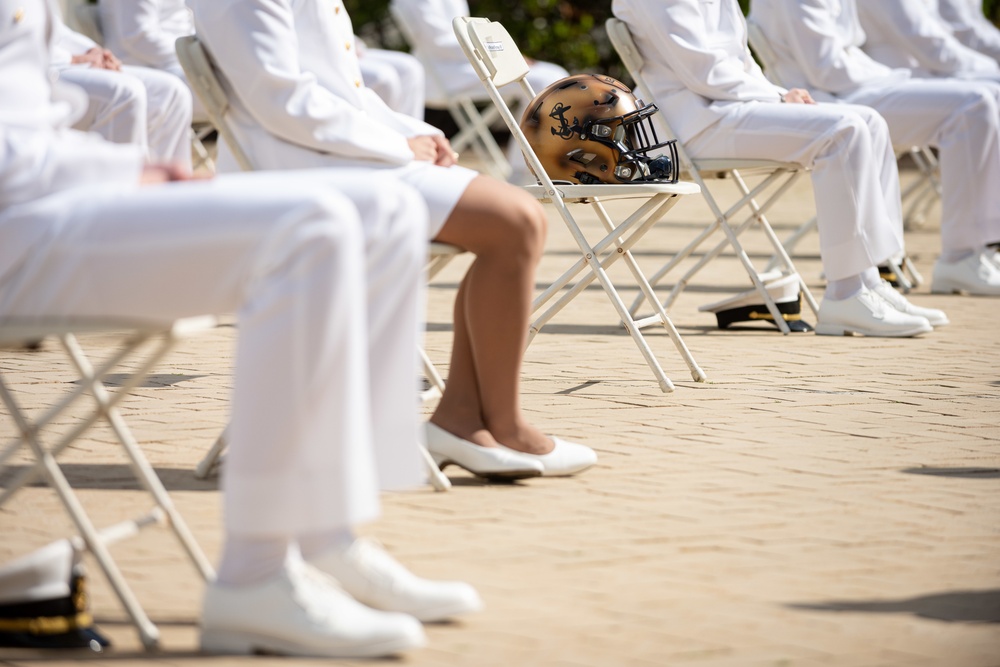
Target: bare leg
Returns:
[505, 228]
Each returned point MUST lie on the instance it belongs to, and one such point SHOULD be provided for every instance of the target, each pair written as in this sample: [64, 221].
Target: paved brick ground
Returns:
[820, 501]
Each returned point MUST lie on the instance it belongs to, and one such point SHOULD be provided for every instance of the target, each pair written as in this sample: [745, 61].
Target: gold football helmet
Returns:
[591, 129]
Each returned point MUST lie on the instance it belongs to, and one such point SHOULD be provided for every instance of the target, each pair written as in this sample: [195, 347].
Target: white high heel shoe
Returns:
[487, 462]
[565, 459]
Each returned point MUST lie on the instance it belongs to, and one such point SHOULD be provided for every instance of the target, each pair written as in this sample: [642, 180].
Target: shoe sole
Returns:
[443, 613]
[848, 331]
[234, 642]
[570, 472]
[961, 291]
[498, 476]
[948, 287]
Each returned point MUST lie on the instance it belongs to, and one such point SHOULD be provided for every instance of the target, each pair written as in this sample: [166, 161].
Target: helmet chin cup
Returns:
[592, 129]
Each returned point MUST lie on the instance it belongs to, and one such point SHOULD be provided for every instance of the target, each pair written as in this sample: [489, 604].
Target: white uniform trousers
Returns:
[198, 113]
[138, 105]
[961, 119]
[327, 291]
[396, 77]
[854, 175]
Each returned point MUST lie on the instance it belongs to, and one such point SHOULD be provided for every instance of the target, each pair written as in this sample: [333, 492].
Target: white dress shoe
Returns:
[975, 274]
[301, 611]
[375, 578]
[936, 317]
[566, 458]
[868, 314]
[488, 462]
[993, 257]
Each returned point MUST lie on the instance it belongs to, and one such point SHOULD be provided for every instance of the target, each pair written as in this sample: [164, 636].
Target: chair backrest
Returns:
[88, 20]
[205, 83]
[492, 52]
[764, 51]
[498, 62]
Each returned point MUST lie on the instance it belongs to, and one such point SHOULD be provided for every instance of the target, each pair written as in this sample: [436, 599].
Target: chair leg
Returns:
[210, 463]
[438, 479]
[149, 635]
[631, 230]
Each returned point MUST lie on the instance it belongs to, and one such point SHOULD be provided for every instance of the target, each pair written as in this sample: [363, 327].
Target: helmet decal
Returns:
[559, 113]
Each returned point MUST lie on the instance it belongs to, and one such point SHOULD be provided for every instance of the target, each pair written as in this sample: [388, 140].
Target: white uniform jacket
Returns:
[428, 22]
[970, 26]
[911, 34]
[309, 93]
[143, 32]
[39, 155]
[696, 71]
[818, 46]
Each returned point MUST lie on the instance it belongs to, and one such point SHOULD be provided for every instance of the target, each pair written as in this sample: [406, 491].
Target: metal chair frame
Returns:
[158, 340]
[499, 62]
[778, 177]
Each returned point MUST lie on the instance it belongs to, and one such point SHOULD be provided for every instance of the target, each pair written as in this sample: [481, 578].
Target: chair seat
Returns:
[711, 165]
[138, 347]
[572, 192]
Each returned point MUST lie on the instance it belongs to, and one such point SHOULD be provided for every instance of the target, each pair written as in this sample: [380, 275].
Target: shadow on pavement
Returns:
[117, 476]
[967, 473]
[955, 606]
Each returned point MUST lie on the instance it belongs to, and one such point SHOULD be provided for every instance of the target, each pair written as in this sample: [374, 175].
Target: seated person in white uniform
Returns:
[716, 98]
[430, 23]
[911, 34]
[144, 32]
[298, 101]
[818, 45]
[396, 77]
[136, 105]
[323, 270]
[970, 26]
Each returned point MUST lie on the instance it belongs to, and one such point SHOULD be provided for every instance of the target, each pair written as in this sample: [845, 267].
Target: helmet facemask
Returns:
[633, 136]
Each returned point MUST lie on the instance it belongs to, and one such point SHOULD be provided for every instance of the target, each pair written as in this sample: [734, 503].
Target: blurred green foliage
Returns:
[569, 33]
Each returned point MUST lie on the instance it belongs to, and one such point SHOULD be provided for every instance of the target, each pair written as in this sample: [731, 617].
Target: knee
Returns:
[982, 104]
[178, 99]
[526, 222]
[130, 92]
[853, 132]
[326, 224]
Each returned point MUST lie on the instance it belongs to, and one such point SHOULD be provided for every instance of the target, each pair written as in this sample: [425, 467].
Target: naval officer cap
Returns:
[749, 306]
[43, 602]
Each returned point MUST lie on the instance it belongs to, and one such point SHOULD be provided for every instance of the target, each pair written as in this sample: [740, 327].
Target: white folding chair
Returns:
[473, 125]
[88, 21]
[777, 177]
[921, 194]
[499, 62]
[147, 344]
[205, 82]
